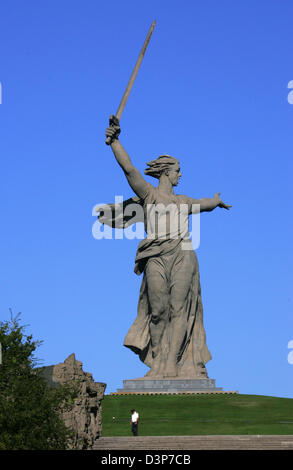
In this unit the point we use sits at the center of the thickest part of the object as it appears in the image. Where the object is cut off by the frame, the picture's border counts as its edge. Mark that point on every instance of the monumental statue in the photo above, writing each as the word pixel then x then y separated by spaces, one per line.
pixel 168 333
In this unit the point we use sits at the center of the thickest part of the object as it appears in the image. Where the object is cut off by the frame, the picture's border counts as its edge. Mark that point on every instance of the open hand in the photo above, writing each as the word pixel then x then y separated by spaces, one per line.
pixel 220 202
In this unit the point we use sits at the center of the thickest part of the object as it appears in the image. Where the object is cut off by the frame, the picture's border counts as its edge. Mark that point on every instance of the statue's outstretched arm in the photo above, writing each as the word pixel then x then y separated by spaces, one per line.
pixel 133 175
pixel 208 204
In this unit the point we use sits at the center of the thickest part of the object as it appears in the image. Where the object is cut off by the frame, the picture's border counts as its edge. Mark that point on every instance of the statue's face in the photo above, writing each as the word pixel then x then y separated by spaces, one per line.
pixel 174 175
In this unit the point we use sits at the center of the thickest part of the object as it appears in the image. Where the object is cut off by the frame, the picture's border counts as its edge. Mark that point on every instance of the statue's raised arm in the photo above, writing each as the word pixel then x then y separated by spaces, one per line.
pixel 133 175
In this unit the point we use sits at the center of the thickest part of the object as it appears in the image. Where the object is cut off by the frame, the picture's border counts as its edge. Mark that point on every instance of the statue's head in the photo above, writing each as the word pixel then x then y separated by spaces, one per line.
pixel 164 165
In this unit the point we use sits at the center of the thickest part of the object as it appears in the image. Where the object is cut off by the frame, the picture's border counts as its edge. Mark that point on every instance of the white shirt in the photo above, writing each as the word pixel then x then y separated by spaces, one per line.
pixel 134 417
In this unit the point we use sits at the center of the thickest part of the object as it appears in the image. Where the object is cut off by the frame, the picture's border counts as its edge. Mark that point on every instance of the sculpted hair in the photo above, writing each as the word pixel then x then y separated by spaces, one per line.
pixel 157 166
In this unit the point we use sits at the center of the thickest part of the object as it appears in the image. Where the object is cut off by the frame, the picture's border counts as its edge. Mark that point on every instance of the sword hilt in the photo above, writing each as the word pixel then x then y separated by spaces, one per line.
pixel 113 121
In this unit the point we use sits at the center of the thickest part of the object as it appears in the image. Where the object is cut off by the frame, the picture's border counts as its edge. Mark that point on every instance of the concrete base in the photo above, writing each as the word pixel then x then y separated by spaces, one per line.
pixel 172 385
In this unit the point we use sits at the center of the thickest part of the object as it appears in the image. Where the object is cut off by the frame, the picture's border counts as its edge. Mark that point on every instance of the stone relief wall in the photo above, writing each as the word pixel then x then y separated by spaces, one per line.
pixel 85 417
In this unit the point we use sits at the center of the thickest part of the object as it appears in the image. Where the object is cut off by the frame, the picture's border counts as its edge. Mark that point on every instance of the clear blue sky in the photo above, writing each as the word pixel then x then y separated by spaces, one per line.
pixel 212 91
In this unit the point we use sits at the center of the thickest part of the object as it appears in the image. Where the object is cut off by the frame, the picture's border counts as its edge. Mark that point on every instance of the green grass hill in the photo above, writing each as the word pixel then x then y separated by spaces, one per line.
pixel 179 415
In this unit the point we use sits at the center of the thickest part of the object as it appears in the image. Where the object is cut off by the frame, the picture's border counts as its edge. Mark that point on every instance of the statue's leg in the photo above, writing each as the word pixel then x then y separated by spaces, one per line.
pixel 183 270
pixel 158 302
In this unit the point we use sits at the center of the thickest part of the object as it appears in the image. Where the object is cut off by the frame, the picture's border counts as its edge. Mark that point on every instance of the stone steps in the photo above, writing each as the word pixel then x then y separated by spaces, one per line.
pixel 192 392
pixel 225 442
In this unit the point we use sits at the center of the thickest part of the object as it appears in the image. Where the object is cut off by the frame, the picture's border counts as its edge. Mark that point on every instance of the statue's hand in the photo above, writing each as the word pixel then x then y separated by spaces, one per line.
pixel 220 203
pixel 113 131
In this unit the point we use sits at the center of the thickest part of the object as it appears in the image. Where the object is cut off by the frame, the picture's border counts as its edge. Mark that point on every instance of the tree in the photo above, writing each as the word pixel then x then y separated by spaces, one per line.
pixel 29 407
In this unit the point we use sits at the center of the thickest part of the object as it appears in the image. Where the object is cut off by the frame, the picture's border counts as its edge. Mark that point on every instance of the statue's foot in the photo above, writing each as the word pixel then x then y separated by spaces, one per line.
pixel 150 373
pixel 154 371
pixel 171 370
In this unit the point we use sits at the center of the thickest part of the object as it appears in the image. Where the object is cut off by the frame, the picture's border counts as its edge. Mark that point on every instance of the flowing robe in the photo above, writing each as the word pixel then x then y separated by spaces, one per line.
pixel 174 260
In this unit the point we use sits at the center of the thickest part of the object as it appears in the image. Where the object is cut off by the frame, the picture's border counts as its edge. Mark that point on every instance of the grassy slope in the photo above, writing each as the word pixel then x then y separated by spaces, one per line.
pixel 167 415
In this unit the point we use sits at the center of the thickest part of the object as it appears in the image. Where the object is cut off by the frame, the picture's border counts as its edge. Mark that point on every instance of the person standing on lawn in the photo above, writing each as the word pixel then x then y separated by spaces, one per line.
pixel 134 422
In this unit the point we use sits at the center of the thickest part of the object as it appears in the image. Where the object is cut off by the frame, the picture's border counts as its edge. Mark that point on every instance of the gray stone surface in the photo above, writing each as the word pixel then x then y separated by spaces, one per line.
pixel 169 385
pixel 214 442
pixel 85 417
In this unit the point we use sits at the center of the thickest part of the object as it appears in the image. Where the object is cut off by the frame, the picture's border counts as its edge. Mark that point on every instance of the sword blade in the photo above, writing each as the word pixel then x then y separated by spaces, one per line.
pixel 134 73
pixel 133 76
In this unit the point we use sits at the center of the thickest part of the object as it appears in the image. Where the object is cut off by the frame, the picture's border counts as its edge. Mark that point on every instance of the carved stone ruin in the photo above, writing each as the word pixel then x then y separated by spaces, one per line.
pixel 85 417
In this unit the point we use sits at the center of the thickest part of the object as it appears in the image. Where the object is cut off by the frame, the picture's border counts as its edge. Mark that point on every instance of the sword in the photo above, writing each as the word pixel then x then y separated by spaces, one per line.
pixel 115 119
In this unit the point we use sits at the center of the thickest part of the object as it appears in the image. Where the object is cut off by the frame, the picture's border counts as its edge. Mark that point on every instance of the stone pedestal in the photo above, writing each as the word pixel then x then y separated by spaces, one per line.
pixel 172 385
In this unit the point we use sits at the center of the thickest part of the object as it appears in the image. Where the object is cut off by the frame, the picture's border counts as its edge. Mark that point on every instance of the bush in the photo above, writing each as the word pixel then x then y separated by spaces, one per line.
pixel 29 407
